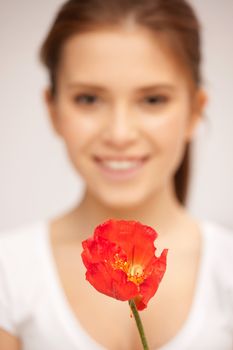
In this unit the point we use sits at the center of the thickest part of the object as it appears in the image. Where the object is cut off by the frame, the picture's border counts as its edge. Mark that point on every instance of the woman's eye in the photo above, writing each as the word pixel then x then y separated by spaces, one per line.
pixel 86 99
pixel 156 99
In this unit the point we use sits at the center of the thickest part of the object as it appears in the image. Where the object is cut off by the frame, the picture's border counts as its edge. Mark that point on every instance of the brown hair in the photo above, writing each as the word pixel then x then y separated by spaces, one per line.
pixel 175 19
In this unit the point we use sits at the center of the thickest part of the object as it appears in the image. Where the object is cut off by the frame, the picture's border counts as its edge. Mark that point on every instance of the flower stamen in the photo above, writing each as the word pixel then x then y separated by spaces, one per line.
pixel 120 264
pixel 135 272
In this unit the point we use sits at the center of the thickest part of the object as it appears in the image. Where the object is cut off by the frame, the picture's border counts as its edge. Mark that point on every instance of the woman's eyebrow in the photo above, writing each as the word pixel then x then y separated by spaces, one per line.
pixel 159 86
pixel 141 89
pixel 81 85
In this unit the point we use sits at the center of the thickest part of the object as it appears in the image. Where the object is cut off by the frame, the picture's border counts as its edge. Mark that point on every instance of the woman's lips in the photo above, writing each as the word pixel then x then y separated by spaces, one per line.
pixel 120 168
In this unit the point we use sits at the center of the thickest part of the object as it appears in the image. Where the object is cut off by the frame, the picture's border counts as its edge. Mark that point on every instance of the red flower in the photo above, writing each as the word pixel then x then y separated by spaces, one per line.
pixel 121 262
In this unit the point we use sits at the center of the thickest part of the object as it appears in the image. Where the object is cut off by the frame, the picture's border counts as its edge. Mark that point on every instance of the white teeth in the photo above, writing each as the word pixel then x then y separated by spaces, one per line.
pixel 120 164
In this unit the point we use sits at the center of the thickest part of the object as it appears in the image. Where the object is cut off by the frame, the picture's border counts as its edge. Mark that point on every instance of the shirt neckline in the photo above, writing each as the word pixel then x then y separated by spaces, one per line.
pixel 70 323
pixel 76 331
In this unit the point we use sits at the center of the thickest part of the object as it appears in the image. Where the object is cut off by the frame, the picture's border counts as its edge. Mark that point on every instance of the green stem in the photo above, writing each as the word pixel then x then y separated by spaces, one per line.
pixel 139 324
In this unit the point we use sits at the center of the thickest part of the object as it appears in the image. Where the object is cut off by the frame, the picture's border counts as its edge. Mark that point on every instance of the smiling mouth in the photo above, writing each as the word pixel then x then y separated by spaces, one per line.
pixel 120 168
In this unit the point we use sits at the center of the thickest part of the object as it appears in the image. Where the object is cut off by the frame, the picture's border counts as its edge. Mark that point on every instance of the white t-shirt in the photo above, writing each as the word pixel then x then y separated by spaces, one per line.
pixel 34 307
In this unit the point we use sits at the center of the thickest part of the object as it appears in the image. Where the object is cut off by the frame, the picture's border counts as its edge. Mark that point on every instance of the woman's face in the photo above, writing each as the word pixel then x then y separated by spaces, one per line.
pixel 125 110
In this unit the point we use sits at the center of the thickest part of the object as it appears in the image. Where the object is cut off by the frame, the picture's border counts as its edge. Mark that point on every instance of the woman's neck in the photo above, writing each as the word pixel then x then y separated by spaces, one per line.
pixel 160 211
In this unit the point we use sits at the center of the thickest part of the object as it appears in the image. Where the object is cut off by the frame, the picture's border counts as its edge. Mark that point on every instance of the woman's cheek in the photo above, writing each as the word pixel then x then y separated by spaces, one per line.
pixel 168 137
pixel 80 130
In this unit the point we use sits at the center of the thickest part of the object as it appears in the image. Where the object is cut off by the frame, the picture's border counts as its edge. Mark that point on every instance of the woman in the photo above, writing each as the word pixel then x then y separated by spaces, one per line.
pixel 125 96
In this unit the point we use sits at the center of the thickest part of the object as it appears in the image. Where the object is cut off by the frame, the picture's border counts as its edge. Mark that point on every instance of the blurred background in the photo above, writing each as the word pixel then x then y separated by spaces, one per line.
pixel 36 179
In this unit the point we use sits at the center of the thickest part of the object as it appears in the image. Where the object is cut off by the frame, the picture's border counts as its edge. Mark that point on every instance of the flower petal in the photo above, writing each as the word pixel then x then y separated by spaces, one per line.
pixel 99 258
pixel 150 285
pixel 100 249
pixel 111 282
pixel 136 239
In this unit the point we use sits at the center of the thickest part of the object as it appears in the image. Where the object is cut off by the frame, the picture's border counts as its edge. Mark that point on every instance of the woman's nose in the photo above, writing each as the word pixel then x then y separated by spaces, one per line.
pixel 120 128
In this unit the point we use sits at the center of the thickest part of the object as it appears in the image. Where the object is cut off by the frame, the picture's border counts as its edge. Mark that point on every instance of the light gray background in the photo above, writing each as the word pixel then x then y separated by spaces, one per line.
pixel 36 179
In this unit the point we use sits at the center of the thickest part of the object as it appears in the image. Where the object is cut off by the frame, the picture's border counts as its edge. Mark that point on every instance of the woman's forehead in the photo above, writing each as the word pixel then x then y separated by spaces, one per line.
pixel 119 54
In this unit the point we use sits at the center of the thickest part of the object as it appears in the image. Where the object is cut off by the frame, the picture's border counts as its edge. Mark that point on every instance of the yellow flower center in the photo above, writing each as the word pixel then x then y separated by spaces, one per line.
pixel 135 272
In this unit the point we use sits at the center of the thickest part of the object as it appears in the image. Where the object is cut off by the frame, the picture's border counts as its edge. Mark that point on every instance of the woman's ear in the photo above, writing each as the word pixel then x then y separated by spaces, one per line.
pixel 200 100
pixel 51 108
